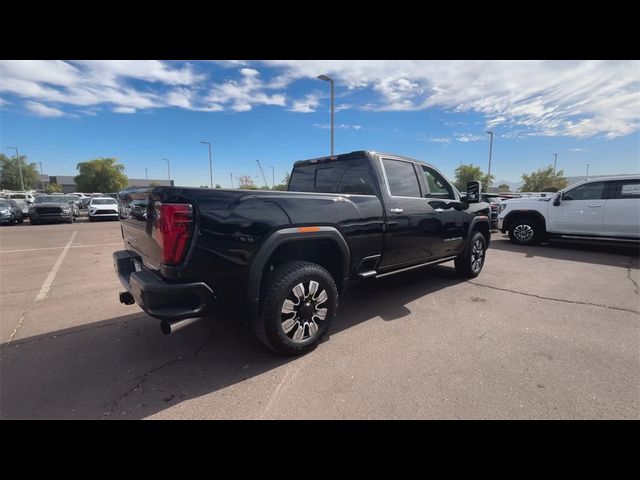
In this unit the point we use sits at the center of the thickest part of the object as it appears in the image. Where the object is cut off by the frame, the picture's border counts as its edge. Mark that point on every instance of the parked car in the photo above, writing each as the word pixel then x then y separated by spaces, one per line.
pixel 23 199
pixel 83 200
pixel 286 256
pixel 494 202
pixel 606 209
pixel 103 208
pixel 74 202
pixel 50 208
pixel 10 211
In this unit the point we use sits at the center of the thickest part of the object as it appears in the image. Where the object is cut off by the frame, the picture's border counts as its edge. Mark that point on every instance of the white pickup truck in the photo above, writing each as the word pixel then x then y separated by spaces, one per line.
pixel 602 209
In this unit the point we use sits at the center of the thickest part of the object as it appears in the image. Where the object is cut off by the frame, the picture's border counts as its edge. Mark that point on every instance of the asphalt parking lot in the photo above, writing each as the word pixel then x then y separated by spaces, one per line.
pixel 545 332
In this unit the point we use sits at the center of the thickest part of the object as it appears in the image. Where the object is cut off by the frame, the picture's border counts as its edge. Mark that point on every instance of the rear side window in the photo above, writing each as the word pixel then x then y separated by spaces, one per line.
pixel 346 176
pixel 624 189
pixel 402 178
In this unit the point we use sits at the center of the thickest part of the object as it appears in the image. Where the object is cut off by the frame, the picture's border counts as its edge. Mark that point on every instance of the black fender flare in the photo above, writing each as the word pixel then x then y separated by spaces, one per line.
pixel 286 235
pixel 531 213
pixel 475 221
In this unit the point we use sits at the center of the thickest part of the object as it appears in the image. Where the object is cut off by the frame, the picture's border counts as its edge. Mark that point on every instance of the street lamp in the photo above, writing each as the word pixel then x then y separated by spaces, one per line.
pixel 330 80
pixel 168 169
pixel 41 176
pixel 555 161
pixel 587 170
pixel 210 167
pixel 489 132
pixel 19 166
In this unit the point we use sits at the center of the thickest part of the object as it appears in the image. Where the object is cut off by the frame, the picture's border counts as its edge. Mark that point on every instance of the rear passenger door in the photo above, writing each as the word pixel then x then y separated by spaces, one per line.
pixel 411 223
pixel 622 209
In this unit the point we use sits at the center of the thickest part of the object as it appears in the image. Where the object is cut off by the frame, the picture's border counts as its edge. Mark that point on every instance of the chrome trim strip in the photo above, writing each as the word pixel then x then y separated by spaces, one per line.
pixel 439 260
pixel 606 239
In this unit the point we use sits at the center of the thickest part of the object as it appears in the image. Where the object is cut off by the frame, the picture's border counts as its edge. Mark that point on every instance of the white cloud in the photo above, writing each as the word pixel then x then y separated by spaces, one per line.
pixel 3 102
pixel 578 149
pixel 570 98
pixel 468 137
pixel 444 140
pixel 124 110
pixel 308 104
pixel 41 110
pixel 339 126
pixel 241 96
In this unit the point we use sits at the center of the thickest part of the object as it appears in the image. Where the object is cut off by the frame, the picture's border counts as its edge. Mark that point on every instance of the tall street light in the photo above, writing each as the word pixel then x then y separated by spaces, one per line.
pixel 146 174
pixel 273 178
pixel 330 80
pixel 210 165
pixel 555 161
pixel 587 170
pixel 490 132
pixel 19 166
pixel 41 176
pixel 168 169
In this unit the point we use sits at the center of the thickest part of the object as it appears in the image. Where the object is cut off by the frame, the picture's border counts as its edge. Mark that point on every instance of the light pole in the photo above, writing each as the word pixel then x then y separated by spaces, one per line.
pixel 41 176
pixel 210 165
pixel 231 175
pixel 273 178
pixel 146 174
pixel 168 169
pixel 330 80
pixel 555 161
pixel 587 170
pixel 490 132
pixel 19 166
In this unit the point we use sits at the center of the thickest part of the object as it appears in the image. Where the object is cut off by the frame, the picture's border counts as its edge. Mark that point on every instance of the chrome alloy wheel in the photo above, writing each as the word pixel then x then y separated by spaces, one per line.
pixel 523 233
pixel 477 255
pixel 302 310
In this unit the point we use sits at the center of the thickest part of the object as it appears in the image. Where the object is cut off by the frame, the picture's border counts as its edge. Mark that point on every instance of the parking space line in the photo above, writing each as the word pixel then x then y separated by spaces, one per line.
pixel 58 248
pixel 44 290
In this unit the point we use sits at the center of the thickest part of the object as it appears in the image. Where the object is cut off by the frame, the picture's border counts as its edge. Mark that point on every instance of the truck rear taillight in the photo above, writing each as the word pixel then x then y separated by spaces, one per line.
pixel 173 225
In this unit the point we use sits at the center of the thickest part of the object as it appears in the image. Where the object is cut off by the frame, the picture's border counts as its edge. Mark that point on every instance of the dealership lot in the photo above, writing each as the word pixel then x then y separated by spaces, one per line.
pixel 544 332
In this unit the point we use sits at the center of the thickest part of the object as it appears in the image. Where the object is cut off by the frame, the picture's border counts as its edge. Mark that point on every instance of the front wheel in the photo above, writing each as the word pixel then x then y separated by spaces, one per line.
pixel 470 263
pixel 299 303
pixel 526 231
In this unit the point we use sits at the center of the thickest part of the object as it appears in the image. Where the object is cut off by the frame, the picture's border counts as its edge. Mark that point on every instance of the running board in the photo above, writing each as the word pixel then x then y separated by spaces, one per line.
pixel 601 239
pixel 432 262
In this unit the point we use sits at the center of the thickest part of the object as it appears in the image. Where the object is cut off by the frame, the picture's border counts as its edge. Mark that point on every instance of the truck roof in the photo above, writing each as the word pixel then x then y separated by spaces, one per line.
pixel 356 153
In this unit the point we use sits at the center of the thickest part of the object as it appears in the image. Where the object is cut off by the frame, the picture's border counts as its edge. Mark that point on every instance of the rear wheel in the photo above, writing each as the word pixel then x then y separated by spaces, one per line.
pixel 526 231
pixel 469 264
pixel 299 303
pixel 33 221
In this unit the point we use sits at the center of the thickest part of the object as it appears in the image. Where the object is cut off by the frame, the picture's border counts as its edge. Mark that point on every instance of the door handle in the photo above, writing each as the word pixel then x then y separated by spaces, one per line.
pixel 397 210
pixel 595 206
pixel 439 210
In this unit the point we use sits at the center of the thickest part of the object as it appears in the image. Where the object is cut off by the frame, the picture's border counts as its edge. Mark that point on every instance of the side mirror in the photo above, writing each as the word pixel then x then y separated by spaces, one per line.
pixel 557 199
pixel 473 192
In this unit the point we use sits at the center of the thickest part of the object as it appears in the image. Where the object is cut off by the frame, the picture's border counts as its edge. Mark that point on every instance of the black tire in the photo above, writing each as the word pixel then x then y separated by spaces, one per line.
pixel 269 325
pixel 469 264
pixel 33 221
pixel 526 230
pixel 21 220
pixel 90 218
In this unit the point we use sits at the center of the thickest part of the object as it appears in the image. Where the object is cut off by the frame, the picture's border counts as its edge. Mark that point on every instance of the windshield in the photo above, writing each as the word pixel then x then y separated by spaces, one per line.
pixel 18 196
pixel 51 199
pixel 103 201
pixel 4 204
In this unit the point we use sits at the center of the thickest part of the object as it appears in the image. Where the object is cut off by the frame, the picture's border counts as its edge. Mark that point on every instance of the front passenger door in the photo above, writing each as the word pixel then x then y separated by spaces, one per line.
pixel 581 210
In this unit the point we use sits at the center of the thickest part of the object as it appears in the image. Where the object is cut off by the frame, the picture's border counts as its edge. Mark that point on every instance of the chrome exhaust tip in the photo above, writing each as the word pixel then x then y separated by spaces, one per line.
pixel 170 326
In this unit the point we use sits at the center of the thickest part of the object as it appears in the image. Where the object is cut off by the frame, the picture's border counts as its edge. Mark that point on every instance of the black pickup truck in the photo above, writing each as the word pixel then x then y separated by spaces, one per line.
pixel 286 256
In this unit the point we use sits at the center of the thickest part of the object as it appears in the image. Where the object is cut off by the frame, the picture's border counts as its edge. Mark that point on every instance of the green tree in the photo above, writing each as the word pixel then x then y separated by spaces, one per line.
pixel 218 185
pixel 53 188
pixel 101 175
pixel 544 180
pixel 284 185
pixel 154 184
pixel 503 187
pixel 471 173
pixel 10 175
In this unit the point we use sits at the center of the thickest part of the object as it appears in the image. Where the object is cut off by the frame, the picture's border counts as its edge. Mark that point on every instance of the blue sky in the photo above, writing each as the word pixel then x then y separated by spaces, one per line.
pixel 64 112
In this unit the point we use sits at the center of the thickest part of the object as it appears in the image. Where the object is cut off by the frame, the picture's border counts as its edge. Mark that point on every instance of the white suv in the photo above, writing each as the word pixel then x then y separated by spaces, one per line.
pixel 103 207
pixel 602 209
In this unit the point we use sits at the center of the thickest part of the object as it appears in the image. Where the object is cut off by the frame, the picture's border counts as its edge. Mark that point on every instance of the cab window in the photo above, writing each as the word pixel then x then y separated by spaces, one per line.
pixel 437 185
pixel 588 191
pixel 402 178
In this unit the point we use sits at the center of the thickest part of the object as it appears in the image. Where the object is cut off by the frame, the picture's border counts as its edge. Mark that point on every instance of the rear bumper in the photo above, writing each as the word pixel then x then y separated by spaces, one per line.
pixel 156 296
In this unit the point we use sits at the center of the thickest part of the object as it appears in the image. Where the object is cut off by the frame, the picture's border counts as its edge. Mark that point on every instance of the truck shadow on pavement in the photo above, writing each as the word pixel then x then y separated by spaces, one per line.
pixel 609 255
pixel 124 368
